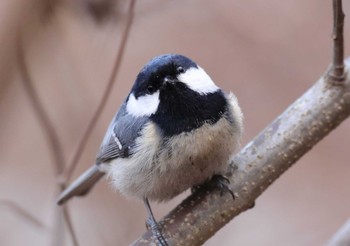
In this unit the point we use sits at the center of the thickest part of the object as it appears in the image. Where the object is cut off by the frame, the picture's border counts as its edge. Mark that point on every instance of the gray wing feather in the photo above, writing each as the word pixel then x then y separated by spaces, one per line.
pixel 119 138
pixel 82 185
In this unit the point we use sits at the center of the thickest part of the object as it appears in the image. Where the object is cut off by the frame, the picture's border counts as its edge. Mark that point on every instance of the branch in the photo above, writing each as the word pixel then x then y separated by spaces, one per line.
pixel 74 162
pixel 259 164
pixel 341 237
pixel 336 73
pixel 292 134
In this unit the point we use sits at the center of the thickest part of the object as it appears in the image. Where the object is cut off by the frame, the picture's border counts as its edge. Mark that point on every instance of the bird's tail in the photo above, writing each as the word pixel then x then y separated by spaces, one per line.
pixel 82 185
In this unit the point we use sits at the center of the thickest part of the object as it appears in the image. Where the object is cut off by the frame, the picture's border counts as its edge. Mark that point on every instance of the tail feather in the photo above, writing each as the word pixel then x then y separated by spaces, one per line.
pixel 82 185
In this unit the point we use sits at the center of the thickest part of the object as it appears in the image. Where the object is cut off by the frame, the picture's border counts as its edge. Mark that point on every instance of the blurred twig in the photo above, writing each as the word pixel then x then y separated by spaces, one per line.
pixel 22 212
pixel 47 126
pixel 55 145
pixel 292 134
pixel 82 143
pixel 336 73
pixel 341 237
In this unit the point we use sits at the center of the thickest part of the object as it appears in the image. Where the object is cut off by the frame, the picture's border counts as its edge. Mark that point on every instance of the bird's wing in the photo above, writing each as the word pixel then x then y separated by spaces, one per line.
pixel 120 137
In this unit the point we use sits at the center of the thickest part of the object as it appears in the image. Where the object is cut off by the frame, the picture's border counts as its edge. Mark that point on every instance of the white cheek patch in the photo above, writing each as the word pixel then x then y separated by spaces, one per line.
pixel 144 105
pixel 198 80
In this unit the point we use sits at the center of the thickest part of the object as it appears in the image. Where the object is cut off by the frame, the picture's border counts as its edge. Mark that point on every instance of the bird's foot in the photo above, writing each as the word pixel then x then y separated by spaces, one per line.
pixel 155 228
pixel 222 183
pixel 218 181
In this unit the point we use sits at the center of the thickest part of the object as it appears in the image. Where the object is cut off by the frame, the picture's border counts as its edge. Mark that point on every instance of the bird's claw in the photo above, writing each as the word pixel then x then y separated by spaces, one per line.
pixel 222 183
pixel 218 181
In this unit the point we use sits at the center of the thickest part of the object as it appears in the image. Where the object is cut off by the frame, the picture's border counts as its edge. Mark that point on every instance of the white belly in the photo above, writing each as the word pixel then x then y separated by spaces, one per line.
pixel 160 172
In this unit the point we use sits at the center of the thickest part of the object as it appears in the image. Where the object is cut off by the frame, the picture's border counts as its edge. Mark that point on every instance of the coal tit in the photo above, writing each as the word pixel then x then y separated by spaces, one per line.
pixel 175 130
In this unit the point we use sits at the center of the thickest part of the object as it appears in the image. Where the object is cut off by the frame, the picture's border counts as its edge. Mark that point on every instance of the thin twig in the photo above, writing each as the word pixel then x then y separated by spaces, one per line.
pixel 47 126
pixel 82 143
pixel 69 224
pixel 336 73
pixel 55 145
pixel 22 213
pixel 58 238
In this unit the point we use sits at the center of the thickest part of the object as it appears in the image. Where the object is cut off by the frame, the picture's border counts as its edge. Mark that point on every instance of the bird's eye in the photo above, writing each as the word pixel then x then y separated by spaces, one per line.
pixel 180 69
pixel 150 89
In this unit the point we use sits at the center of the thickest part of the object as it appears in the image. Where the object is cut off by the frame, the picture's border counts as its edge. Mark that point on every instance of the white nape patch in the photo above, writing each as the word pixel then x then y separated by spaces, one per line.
pixel 198 80
pixel 144 105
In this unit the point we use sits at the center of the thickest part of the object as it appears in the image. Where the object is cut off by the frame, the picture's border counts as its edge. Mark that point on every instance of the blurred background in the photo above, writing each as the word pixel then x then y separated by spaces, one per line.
pixel 267 52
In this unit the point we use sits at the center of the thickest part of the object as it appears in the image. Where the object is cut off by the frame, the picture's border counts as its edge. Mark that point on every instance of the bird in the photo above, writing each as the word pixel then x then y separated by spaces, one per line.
pixel 175 130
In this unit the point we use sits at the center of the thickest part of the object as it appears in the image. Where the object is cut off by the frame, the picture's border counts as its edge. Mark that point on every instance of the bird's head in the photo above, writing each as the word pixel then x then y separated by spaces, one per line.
pixel 176 94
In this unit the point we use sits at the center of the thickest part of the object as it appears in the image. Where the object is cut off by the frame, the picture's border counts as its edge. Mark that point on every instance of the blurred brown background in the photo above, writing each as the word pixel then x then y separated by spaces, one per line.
pixel 267 52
